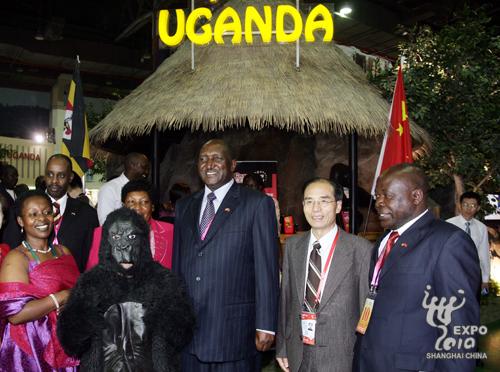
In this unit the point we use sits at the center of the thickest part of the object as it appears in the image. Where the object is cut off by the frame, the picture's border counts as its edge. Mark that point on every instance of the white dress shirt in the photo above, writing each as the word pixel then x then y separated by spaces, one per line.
pixel 62 203
pixel 479 234
pixel 220 194
pixel 11 193
pixel 110 197
pixel 326 243
pixel 400 231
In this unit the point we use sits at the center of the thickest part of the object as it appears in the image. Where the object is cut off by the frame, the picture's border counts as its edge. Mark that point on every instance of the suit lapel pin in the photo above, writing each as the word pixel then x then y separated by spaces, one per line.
pixel 73 213
pixel 227 210
pixel 404 245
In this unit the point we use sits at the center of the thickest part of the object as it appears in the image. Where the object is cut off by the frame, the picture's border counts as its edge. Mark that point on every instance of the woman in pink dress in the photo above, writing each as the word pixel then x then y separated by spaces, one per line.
pixel 138 195
pixel 35 282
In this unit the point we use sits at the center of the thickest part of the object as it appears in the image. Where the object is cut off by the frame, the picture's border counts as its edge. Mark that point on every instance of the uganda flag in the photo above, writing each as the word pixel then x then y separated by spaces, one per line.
pixel 75 138
pixel 396 147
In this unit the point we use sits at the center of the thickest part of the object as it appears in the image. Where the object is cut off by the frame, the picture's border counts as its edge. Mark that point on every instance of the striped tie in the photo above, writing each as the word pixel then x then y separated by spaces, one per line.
pixel 208 215
pixel 467 227
pixel 313 279
pixel 57 212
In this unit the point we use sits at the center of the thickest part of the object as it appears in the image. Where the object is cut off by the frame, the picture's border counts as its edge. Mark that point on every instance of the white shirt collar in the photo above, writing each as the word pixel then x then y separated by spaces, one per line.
pixel 221 192
pixel 400 231
pixel 464 221
pixel 11 193
pixel 123 178
pixel 326 240
pixel 407 225
pixel 62 203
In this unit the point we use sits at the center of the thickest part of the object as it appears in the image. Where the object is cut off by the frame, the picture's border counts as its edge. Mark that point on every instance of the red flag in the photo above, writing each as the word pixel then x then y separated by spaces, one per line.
pixel 396 147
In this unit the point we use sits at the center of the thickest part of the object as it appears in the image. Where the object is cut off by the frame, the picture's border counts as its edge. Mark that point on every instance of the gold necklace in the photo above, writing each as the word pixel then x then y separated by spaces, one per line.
pixel 28 246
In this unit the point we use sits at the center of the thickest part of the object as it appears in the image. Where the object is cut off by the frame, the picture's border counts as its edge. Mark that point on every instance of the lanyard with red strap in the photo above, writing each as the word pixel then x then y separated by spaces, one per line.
pixel 57 226
pixel 381 261
pixel 366 314
pixel 324 273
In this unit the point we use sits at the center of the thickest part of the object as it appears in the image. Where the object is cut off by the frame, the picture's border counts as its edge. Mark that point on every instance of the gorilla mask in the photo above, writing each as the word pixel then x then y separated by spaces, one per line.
pixel 125 240
pixel 125 243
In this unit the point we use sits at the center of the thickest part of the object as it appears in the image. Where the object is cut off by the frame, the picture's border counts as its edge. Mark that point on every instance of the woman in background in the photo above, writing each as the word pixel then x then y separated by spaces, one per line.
pixel 254 181
pixel 138 195
pixel 35 282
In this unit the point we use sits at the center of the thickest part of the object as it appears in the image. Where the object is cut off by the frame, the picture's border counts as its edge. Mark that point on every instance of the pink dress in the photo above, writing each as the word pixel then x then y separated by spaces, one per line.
pixel 33 346
pixel 161 239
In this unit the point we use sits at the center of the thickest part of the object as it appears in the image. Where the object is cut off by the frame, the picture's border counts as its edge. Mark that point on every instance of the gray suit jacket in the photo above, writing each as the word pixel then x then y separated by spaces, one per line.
pixel 341 304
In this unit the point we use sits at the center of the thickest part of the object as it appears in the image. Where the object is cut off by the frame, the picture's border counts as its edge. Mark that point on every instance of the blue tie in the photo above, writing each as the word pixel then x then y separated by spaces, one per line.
pixel 208 215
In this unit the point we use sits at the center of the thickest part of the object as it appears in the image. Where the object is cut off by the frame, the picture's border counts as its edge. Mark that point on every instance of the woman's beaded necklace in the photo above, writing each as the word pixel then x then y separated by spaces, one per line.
pixel 28 246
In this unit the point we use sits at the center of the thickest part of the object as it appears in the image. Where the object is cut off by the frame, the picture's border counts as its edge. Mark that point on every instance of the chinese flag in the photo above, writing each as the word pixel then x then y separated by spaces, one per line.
pixel 75 136
pixel 396 147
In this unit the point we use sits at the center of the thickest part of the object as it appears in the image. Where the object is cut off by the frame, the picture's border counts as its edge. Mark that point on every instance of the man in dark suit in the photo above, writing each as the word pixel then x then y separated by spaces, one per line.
pixel 225 249
pixel 8 180
pixel 344 263
pixel 74 221
pixel 424 276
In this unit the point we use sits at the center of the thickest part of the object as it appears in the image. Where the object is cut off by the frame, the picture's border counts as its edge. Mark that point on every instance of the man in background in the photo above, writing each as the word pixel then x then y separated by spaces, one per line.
pixel 136 167
pixel 8 181
pixel 470 203
pixel 226 250
pixel 74 221
pixel 325 276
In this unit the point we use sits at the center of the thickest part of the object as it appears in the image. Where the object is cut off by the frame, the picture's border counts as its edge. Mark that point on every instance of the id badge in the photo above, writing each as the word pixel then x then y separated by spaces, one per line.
pixel 308 321
pixel 366 314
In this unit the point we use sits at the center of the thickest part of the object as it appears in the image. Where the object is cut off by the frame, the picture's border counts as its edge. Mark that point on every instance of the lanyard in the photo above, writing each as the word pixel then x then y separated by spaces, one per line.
pixel 378 267
pixel 57 226
pixel 324 273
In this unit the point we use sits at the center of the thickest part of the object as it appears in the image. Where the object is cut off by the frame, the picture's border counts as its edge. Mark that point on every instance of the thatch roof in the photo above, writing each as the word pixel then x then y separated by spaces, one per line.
pixel 255 85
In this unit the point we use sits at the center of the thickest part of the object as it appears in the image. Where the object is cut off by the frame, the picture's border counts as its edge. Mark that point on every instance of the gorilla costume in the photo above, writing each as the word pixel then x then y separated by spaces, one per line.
pixel 128 313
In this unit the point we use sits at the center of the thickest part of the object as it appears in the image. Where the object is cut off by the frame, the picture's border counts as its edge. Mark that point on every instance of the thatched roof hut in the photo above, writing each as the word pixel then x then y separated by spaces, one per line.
pixel 251 85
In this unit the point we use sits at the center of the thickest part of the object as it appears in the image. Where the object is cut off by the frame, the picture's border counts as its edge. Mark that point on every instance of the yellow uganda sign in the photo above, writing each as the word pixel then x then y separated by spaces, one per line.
pixel 229 23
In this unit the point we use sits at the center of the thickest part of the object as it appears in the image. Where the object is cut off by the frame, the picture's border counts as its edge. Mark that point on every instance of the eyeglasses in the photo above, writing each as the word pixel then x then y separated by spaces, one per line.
pixel 323 203
pixel 469 206
pixel 34 215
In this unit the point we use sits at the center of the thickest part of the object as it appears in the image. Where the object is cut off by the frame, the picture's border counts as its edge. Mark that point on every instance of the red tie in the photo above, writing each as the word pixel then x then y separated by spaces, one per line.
pixel 57 212
pixel 390 243
pixel 57 221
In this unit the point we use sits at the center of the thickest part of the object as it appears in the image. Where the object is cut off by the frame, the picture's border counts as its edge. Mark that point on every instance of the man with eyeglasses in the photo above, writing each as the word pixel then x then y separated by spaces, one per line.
pixel 470 203
pixel 324 285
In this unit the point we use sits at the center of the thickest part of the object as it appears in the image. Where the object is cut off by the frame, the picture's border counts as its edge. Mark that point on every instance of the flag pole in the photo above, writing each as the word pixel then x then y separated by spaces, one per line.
pixel 382 152
pixel 384 143
pixel 368 214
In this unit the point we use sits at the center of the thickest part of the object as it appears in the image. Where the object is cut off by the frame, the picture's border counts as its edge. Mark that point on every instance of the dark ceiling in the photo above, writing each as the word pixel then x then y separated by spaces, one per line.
pixel 113 37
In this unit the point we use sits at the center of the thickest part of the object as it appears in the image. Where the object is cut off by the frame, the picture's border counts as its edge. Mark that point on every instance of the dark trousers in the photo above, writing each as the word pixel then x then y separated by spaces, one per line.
pixel 190 363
